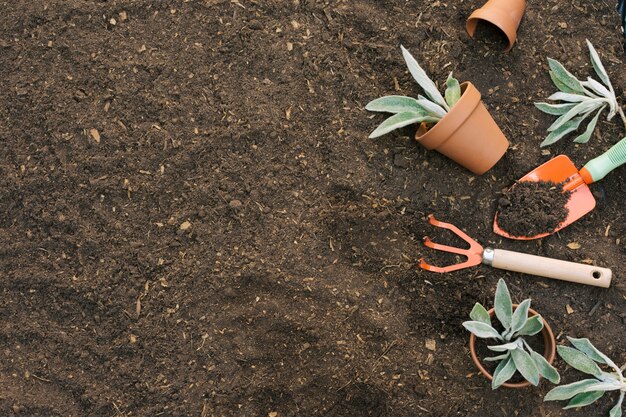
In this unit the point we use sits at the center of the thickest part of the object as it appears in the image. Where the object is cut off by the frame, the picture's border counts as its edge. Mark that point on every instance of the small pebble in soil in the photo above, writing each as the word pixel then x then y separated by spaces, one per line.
pixel 235 204
pixel 530 208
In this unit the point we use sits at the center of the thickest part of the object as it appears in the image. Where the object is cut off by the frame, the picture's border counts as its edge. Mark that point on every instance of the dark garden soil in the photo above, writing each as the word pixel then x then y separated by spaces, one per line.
pixel 194 223
pixel 530 208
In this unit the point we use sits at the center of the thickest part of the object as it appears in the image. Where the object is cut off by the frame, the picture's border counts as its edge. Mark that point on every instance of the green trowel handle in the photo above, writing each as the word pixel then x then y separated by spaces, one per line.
pixel 597 168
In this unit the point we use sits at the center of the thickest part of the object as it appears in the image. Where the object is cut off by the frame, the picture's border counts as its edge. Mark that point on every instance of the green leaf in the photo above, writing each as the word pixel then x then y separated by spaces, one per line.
pixel 496 358
pixel 422 79
pixel 526 366
pixel 394 104
pixel 581 108
pixel 586 135
pixel 482 330
pixel 597 88
pixel 597 65
pixel 503 304
pixel 533 326
pixel 568 127
pixel 583 399
pixel 565 392
pixel 432 109
pixel 453 90
pixel 579 360
pixel 555 109
pixel 479 313
pixel 572 98
pixel 585 346
pixel 504 372
pixel 564 76
pixel 520 316
pixel 507 346
pixel 546 370
pixel 400 120
pixel 564 88
pixel 617 410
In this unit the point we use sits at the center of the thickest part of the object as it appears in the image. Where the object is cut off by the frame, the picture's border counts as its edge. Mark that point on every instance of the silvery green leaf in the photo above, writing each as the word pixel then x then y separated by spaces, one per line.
pixel 581 108
pixel 545 369
pixel 482 330
pixel 400 120
pixel 479 313
pixel 533 326
pixel 421 97
pixel 585 346
pixel 504 372
pixel 578 360
pixel 526 366
pixel 597 88
pixel 608 95
pixel 496 358
pixel 586 135
pixel 583 399
pixel 520 316
pixel 503 304
pixel 453 90
pixel 433 109
pixel 505 347
pixel 562 87
pixel 617 410
pixel 565 392
pixel 597 65
pixel 564 76
pixel 572 98
pixel 555 109
pixel 422 79
pixel 568 127
pixel 394 104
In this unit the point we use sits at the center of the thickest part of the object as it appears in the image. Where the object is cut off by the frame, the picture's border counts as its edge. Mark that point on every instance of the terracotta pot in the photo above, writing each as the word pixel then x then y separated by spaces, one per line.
pixel 467 134
pixel 505 14
pixel 549 351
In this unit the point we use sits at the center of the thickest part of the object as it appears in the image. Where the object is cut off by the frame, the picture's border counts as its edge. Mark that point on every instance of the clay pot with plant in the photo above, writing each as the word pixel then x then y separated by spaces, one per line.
pixel 458 126
pixel 519 323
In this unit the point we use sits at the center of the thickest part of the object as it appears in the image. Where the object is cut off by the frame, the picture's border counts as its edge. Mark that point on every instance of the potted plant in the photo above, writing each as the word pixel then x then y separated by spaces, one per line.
pixel 518 323
pixel 579 100
pixel 586 358
pixel 458 126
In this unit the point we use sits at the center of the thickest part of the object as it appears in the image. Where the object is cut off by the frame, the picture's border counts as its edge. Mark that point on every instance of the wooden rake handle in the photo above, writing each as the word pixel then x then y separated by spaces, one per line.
pixel 548 267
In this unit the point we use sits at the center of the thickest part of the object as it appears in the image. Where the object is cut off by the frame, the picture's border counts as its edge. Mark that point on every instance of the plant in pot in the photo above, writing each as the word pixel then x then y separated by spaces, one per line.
pixel 586 358
pixel 579 100
pixel 458 126
pixel 519 323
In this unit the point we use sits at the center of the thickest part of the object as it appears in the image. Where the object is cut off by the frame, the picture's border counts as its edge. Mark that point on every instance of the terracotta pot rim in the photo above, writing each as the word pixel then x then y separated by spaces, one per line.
pixel 460 112
pixel 549 351
pixel 506 17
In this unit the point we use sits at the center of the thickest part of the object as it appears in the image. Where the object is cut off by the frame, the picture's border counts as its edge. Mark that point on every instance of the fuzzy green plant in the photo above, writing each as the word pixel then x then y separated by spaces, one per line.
pixel 515 353
pixel 586 358
pixel 579 100
pixel 407 110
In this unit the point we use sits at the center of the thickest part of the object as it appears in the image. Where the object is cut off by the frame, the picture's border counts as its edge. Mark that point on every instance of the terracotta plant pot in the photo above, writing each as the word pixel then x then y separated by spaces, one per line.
pixel 549 352
pixel 505 14
pixel 467 134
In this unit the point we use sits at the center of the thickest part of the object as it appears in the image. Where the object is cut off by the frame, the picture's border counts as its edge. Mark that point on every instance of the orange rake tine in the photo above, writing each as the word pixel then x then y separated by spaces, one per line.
pixel 474 253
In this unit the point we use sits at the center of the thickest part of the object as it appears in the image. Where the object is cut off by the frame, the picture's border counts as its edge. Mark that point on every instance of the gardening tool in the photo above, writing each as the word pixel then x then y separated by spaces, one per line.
pixel 515 261
pixel 562 170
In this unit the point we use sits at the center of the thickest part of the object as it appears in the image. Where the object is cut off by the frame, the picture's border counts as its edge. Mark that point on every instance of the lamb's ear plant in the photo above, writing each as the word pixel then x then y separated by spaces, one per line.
pixel 579 101
pixel 408 110
pixel 515 353
pixel 586 358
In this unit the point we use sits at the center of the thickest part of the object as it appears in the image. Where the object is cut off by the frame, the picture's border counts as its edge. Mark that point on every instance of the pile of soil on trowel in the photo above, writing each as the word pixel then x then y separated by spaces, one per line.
pixel 532 207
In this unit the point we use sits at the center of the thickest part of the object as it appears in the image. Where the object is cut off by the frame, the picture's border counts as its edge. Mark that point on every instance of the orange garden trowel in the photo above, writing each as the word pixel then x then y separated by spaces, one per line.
pixel 562 170
pixel 515 261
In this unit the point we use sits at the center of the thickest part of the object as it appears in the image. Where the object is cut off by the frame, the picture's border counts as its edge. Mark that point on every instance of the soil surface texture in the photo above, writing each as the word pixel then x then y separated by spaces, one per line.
pixel 531 208
pixel 193 221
